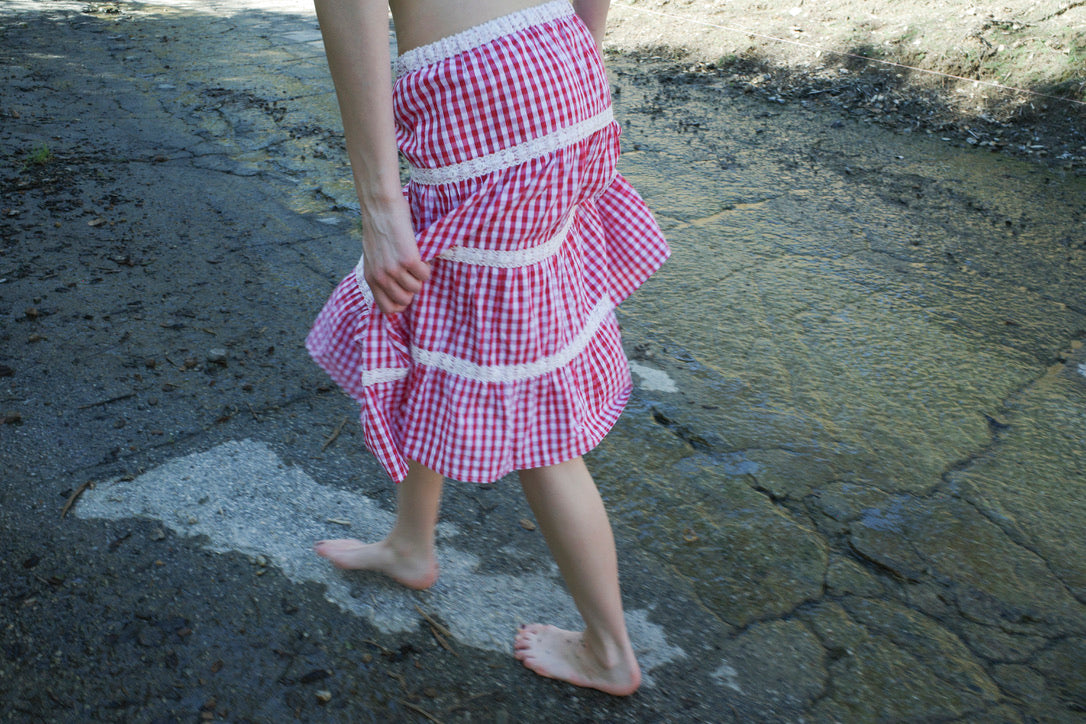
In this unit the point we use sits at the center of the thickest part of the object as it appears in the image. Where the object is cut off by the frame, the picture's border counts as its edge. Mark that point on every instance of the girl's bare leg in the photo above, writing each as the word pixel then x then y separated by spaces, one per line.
pixel 407 554
pixel 571 515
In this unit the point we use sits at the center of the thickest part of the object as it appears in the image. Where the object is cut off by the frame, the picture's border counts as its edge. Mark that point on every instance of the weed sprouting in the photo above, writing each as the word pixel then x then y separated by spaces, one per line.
pixel 39 156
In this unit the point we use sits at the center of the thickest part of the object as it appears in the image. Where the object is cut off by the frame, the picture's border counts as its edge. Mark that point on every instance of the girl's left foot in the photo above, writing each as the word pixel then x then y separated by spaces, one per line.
pixel 559 654
pixel 416 572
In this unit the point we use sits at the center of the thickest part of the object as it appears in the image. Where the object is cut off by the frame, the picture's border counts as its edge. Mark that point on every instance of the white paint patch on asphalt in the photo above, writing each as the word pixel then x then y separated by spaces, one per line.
pixel 242 498
pixel 653 379
pixel 728 676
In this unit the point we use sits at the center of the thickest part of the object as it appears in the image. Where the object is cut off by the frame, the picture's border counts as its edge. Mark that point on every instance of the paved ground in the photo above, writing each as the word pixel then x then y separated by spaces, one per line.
pixel 849 486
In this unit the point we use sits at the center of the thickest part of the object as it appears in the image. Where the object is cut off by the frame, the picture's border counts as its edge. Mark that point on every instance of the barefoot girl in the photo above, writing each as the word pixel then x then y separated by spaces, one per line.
pixel 478 331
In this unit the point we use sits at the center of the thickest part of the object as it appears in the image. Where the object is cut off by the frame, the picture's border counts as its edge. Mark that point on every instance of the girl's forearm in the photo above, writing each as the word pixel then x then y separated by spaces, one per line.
pixel 356 42
pixel 593 13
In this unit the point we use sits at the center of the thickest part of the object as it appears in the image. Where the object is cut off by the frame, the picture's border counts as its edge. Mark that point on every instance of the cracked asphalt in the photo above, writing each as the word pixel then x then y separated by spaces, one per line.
pixel 849 486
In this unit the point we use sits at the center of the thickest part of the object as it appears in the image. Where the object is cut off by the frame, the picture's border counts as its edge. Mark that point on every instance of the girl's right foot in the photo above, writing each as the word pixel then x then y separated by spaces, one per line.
pixel 564 655
pixel 416 572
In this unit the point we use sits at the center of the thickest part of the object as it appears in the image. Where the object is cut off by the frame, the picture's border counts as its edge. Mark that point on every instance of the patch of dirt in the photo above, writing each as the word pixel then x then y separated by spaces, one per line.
pixel 1026 61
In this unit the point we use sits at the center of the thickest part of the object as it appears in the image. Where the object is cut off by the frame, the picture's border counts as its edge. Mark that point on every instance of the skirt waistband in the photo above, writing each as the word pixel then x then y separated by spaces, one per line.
pixel 445 48
pixel 517 98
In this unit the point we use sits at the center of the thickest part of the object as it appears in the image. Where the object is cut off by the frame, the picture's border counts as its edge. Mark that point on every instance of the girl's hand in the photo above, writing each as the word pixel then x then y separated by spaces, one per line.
pixel 390 257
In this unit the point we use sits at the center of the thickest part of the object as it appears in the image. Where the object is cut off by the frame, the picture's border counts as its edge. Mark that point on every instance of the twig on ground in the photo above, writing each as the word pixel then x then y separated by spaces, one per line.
pixel 75 496
pixel 439 632
pixel 335 434
pixel 433 622
pixel 399 678
pixel 420 711
pixel 374 643
pixel 464 702
pixel 118 398
pixel 441 640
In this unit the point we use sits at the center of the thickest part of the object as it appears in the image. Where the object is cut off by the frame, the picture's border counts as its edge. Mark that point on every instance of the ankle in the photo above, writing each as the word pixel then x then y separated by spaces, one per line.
pixel 608 651
pixel 406 547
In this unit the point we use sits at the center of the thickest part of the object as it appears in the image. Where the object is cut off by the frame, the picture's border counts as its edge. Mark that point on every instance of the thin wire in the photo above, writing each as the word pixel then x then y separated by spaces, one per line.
pixel 811 46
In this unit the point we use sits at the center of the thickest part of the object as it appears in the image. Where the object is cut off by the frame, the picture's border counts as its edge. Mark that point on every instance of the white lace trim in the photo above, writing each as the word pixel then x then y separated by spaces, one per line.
pixel 488 257
pixel 360 280
pixel 424 55
pixel 383 374
pixel 513 155
pixel 518 373
pixel 511 259
pixel 499 373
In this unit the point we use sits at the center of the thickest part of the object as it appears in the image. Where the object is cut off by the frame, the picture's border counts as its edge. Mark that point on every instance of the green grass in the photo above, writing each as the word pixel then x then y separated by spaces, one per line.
pixel 39 156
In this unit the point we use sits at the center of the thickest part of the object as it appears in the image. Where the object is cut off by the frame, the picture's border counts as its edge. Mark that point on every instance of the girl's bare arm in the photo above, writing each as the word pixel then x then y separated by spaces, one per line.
pixel 356 42
pixel 593 13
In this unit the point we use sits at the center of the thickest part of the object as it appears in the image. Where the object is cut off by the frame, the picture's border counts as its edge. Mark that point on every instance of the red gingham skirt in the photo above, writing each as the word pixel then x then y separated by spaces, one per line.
pixel 509 358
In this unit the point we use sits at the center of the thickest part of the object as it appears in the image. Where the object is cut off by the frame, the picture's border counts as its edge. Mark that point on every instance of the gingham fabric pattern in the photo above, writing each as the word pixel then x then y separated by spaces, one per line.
pixel 510 357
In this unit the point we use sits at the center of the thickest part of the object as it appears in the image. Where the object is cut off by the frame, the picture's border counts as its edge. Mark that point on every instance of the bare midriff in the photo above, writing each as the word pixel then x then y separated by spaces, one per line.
pixel 420 22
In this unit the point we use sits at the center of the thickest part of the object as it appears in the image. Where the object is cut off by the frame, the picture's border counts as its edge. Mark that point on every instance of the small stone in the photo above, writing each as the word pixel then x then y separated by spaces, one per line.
pixel 324 696
pixel 527 524
pixel 216 356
